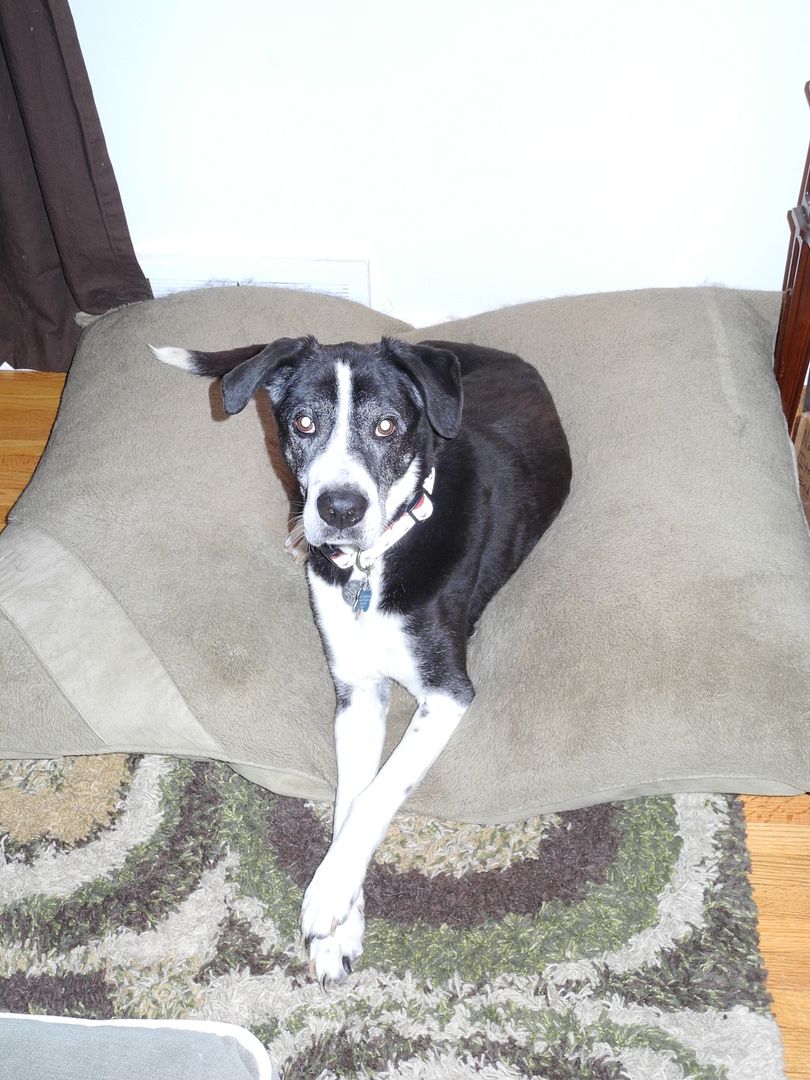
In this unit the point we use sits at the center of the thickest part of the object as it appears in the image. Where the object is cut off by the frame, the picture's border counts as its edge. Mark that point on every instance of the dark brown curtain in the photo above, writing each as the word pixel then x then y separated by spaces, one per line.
pixel 64 242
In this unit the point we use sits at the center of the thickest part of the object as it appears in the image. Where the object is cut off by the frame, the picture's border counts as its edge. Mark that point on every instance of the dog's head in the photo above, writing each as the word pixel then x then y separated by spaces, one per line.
pixel 358 424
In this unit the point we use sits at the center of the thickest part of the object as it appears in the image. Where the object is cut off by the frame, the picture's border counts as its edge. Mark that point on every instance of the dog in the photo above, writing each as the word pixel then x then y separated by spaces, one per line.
pixel 427 474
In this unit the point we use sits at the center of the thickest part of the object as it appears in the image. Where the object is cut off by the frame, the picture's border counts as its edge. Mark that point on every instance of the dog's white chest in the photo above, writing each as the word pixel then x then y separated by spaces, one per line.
pixel 369 646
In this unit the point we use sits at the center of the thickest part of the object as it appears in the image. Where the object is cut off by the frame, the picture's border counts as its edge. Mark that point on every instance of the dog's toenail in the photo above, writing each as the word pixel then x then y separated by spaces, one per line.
pixel 347 965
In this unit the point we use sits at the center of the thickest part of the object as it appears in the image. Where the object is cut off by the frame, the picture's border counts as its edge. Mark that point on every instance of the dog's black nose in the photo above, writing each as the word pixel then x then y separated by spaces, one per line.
pixel 342 507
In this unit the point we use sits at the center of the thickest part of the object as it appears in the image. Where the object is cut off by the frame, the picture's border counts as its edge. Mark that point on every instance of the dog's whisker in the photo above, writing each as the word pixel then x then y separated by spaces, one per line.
pixel 296 543
pixel 296 534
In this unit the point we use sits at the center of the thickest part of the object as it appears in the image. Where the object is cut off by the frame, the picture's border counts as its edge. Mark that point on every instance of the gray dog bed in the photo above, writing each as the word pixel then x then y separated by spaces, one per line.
pixel 656 640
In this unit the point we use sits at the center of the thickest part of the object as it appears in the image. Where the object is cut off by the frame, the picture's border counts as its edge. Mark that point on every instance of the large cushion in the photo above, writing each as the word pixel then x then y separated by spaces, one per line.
pixel 656 639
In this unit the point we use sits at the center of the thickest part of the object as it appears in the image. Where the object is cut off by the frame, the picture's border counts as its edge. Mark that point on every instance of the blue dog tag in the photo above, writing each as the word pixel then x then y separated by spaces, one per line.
pixel 363 599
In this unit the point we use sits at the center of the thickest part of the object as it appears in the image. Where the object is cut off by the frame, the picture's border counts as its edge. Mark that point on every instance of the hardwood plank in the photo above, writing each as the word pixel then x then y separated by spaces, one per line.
pixel 28 404
pixel 761 809
pixel 781 900
pixel 787 969
pixel 773 845
pixel 30 392
pixel 791 1009
pixel 778 832
pixel 795 1004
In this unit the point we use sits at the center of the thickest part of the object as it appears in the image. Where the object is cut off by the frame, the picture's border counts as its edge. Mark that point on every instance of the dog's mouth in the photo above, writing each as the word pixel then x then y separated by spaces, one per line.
pixel 359 537
pixel 343 541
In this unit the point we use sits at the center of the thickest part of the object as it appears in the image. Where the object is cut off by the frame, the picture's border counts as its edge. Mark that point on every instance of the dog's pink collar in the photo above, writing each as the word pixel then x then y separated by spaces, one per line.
pixel 418 509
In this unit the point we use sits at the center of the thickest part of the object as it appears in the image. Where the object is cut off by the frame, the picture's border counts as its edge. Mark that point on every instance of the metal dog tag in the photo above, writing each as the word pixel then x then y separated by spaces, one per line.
pixel 357 594
pixel 351 591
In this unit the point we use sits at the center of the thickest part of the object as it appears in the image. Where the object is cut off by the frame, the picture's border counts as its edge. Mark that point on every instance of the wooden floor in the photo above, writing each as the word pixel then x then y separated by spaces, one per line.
pixel 778 829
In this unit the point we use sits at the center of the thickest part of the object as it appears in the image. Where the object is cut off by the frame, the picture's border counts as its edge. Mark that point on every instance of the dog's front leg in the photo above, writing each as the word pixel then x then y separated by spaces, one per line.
pixel 359 735
pixel 333 893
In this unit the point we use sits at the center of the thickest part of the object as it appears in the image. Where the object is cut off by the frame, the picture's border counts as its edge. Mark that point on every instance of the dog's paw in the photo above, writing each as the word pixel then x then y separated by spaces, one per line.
pixel 330 897
pixel 332 958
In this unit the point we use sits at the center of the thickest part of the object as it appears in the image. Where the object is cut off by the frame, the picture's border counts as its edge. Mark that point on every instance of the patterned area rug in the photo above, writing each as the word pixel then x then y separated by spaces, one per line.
pixel 607 943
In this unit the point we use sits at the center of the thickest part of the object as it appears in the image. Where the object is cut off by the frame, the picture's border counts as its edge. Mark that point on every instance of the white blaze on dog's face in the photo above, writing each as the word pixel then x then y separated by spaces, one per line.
pixel 353 431
pixel 342 499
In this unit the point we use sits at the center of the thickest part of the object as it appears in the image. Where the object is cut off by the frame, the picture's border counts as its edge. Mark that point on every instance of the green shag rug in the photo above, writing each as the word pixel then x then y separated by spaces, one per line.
pixel 617 941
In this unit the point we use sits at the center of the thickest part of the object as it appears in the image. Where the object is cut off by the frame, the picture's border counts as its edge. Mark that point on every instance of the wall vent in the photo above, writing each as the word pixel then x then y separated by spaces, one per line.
pixel 349 278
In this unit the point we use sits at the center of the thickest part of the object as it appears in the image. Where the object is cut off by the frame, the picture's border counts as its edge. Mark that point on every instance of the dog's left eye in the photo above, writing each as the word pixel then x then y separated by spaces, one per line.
pixel 305 424
pixel 385 428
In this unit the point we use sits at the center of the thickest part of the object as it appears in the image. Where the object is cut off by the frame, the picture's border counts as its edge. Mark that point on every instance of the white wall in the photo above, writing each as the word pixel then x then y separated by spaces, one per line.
pixel 476 152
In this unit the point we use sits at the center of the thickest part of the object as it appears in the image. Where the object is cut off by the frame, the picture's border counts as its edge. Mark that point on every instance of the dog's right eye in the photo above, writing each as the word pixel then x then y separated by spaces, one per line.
pixel 305 424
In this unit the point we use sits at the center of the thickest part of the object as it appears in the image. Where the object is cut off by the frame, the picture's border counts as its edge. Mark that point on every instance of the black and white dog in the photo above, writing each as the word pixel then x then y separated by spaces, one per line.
pixel 427 473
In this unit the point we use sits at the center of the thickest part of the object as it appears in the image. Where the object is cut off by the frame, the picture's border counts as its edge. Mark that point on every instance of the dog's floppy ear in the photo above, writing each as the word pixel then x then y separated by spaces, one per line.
pixel 242 371
pixel 240 384
pixel 437 374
